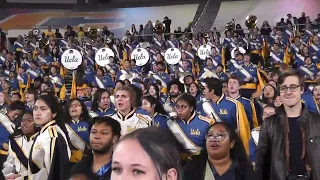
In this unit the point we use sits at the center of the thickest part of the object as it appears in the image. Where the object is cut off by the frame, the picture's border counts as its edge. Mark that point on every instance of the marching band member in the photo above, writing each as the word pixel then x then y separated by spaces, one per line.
pixel 315 49
pixel 30 97
pixel 3 103
pixel 101 105
pixel 34 71
pixel 300 56
pixel 7 126
pixel 134 67
pixel 56 80
pixel 102 81
pixel 23 79
pixel 155 92
pixel 222 75
pixel 155 111
pixel 18 46
pixel 78 128
pixel 126 114
pixel 249 75
pixel 276 55
pixel 175 89
pixel 44 59
pixel 225 109
pixel 236 63
pixel 16 165
pixel 295 46
pixel 309 71
pixel 194 90
pixel 50 152
pixel 172 42
pixel 189 128
pixel 268 110
pixel 161 75
pixel 234 92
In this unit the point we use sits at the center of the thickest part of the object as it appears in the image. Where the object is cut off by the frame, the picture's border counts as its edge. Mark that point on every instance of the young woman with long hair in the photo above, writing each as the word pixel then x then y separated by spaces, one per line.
pixel 50 152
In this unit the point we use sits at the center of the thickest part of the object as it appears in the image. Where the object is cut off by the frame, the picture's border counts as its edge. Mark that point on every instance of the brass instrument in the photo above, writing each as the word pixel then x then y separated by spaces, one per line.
pixel 159 27
pixel 93 32
pixel 251 21
pixel 230 26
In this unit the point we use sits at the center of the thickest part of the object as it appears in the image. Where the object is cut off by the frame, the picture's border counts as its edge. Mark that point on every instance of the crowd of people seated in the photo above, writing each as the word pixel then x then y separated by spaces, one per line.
pixel 198 119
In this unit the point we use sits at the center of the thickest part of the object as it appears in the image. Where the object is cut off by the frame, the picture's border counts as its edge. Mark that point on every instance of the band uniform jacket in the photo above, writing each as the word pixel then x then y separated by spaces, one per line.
pixel 132 121
pixel 50 154
pixel 271 159
pixel 18 154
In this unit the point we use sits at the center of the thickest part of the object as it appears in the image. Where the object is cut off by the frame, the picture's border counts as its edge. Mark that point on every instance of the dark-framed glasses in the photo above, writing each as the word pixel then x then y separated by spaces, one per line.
pixel 292 87
pixel 216 137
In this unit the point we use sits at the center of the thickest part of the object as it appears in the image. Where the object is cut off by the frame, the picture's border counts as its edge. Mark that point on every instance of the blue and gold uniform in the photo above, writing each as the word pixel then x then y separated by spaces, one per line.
pixel 253 144
pixel 276 57
pixel 190 133
pixel 311 103
pixel 250 111
pixel 102 82
pixel 160 120
pixel 6 129
pixel 309 72
pixel 235 64
pixel 223 76
pixel 232 112
pixel 79 137
pixel 34 73
pixel 105 112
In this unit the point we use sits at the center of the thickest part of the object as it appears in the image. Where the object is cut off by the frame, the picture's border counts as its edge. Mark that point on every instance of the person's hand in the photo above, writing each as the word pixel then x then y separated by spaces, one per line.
pixel 5 146
pixel 246 80
pixel 12 176
pixel 312 77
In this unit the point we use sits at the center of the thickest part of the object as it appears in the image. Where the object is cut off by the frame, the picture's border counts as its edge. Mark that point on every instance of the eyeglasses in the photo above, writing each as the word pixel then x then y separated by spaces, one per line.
pixel 217 137
pixel 292 87
pixel 182 107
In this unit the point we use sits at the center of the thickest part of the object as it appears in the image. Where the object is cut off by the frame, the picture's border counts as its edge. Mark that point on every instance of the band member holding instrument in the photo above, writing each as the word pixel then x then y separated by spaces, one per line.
pixel 34 71
pixel 189 127
pixel 236 63
pixel 20 144
pixel 225 109
pixel 130 120
pixel 309 71
pixel 276 55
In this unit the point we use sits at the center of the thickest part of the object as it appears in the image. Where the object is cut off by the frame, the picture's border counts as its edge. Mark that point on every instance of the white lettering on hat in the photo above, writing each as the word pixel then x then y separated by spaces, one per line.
pixel 71 59
pixel 141 56
pixel 204 51
pixel 172 56
pixel 103 55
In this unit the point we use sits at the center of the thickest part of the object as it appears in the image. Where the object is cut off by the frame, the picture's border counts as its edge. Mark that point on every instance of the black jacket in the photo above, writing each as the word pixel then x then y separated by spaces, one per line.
pixel 195 169
pixel 84 167
pixel 271 158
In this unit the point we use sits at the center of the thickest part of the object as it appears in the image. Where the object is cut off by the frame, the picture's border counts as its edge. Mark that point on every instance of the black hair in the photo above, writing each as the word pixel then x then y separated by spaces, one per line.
pixel 84 115
pixel 158 106
pixel 139 94
pixel 263 98
pixel 156 88
pixel 53 103
pixel 18 94
pixel 108 121
pixel 16 105
pixel 215 85
pixel 192 102
pixel 178 83
pixel 238 152
pixel 97 97
pixel 161 147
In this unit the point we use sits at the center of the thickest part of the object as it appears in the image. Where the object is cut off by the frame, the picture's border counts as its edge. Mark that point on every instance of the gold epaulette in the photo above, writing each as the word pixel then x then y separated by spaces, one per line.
pixel 53 132
pixel 206 119
pixel 142 117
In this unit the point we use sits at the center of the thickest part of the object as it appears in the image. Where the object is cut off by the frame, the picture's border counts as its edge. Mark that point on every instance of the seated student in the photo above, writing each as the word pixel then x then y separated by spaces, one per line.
pixel 20 144
pixel 104 134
